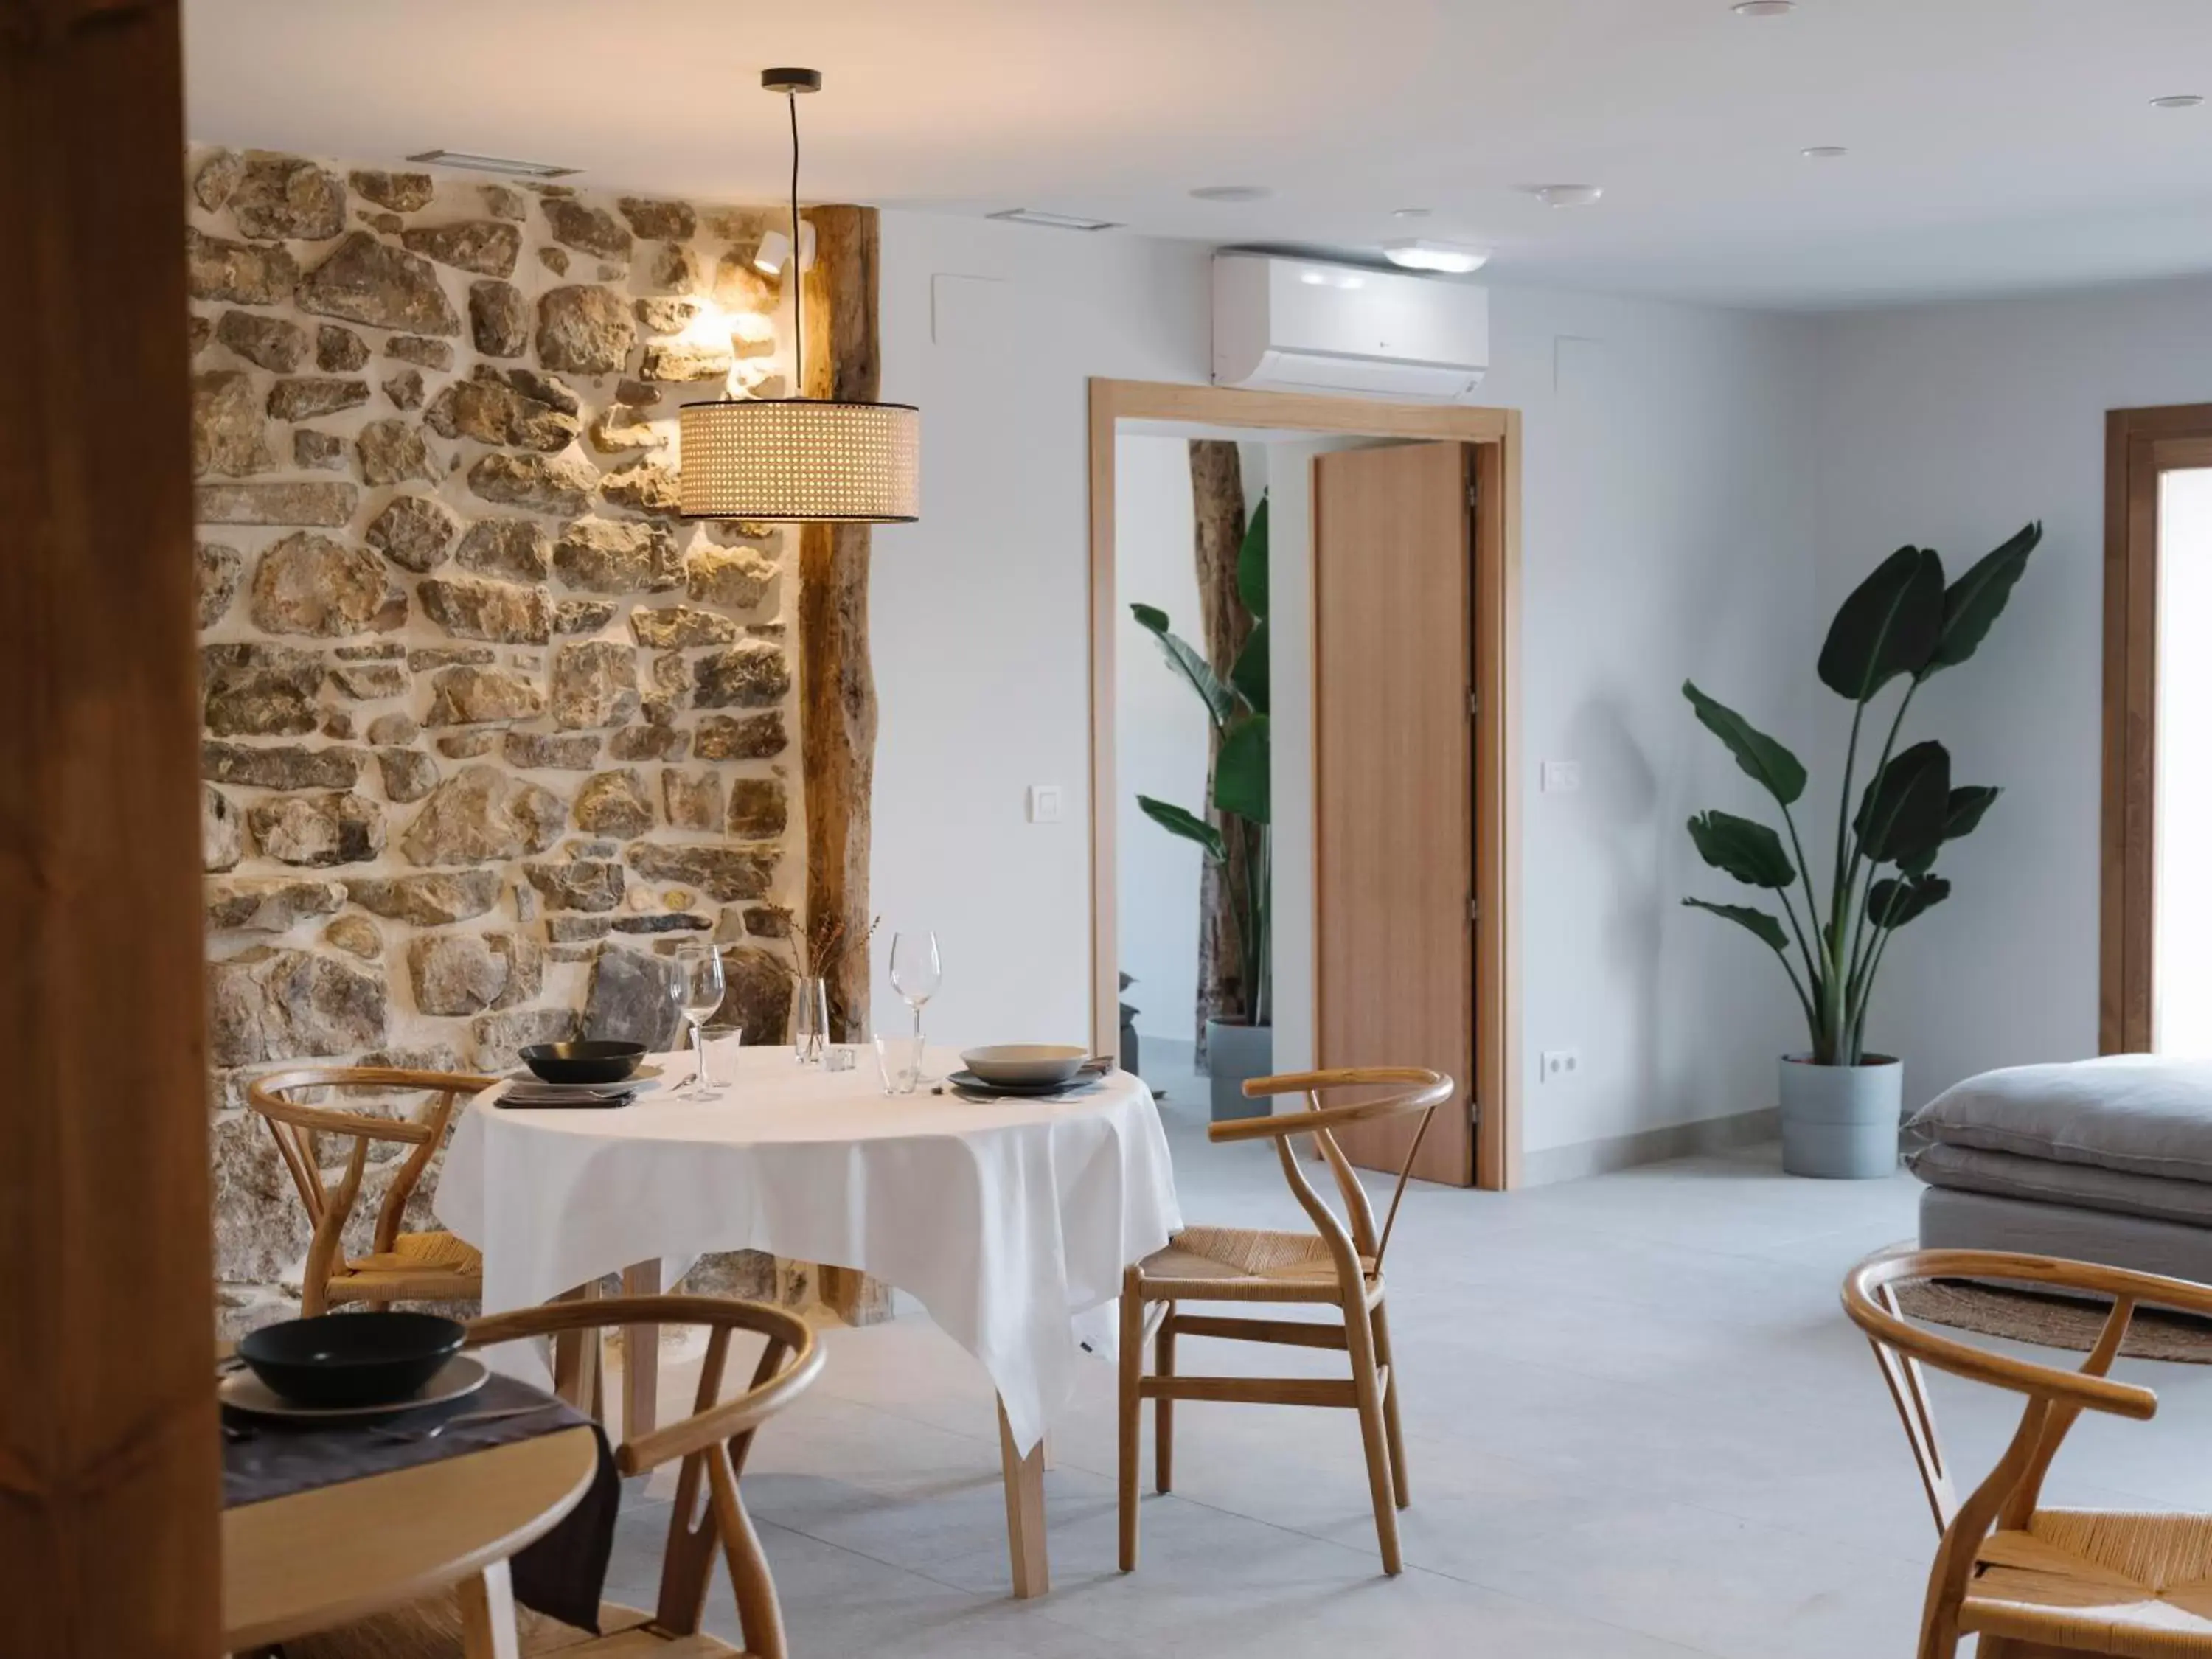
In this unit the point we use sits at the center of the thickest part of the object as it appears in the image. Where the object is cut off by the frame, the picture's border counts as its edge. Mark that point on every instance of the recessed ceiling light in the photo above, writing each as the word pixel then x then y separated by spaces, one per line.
pixel 461 158
pixel 1420 253
pixel 1823 152
pixel 1232 193
pixel 1051 221
pixel 2177 100
pixel 1765 7
pixel 1411 213
pixel 1559 196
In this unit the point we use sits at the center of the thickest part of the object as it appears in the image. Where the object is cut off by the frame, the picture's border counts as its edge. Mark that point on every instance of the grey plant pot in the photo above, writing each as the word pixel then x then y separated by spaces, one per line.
pixel 1839 1122
pixel 1234 1053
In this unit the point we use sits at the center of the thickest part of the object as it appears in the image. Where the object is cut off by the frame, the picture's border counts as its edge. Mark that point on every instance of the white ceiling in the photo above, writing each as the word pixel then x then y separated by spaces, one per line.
pixel 1995 143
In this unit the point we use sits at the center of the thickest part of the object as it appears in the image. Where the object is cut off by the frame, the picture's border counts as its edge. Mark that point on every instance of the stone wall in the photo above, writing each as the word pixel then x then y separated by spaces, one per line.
pixel 487 726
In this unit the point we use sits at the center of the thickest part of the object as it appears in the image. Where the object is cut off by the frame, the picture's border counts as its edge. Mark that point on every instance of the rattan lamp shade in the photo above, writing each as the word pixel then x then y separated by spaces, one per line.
pixel 802 458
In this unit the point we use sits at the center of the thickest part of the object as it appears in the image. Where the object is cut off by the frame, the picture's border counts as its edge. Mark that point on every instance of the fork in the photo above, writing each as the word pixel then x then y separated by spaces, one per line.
pixel 464 1420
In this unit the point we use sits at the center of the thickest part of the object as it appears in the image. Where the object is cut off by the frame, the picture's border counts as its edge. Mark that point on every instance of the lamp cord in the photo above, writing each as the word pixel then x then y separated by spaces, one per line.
pixel 798 265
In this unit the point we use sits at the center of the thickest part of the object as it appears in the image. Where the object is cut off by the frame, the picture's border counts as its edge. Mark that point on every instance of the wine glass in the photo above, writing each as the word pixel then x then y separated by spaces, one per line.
pixel 697 989
pixel 916 975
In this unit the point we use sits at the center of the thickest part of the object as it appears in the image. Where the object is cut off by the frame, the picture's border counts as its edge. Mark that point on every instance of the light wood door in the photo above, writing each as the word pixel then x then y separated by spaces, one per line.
pixel 1393 819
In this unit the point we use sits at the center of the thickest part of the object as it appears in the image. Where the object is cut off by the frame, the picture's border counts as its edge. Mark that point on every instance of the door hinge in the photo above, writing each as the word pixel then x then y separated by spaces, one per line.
pixel 1474 909
pixel 1474 703
pixel 1472 499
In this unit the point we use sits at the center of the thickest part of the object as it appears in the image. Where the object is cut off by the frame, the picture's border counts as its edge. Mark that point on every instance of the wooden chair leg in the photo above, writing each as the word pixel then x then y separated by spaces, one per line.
pixel 576 1378
pixel 1133 1369
pixel 487 1616
pixel 1392 1433
pixel 1163 1408
pixel 1360 1339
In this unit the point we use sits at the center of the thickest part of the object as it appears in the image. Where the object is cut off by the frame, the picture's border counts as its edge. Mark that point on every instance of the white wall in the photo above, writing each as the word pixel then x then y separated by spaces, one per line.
pixel 1668 490
pixel 1161 735
pixel 1950 426
pixel 979 615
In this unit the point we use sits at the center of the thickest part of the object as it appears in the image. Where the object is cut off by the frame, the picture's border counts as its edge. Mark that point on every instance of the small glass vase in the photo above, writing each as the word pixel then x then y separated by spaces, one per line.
pixel 810 1020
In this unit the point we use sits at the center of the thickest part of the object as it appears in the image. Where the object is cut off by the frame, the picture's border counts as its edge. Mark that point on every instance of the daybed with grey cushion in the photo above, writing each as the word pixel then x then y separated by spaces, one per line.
pixel 2100 1160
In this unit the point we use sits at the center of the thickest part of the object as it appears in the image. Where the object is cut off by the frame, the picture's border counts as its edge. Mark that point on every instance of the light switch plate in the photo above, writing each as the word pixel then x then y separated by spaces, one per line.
pixel 1044 805
pixel 1561 777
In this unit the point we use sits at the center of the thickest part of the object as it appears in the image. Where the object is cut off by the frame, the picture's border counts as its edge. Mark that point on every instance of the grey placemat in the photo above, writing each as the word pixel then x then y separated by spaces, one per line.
pixel 561 1574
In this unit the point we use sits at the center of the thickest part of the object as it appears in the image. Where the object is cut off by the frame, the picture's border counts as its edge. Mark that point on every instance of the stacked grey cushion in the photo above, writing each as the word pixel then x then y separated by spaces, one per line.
pixel 2102 1160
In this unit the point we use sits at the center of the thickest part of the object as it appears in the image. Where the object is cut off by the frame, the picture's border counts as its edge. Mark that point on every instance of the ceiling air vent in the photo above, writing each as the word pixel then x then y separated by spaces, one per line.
pixel 461 158
pixel 1051 221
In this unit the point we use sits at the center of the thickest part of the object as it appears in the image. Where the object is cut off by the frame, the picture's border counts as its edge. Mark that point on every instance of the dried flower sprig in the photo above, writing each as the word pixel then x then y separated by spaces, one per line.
pixel 822 945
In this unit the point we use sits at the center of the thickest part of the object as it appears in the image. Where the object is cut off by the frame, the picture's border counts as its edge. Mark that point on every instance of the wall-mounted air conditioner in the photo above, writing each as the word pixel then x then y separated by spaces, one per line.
pixel 1290 324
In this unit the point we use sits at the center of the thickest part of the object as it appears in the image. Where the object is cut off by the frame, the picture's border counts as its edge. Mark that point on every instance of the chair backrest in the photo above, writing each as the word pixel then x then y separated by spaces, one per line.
pixel 2055 1396
pixel 1414 1089
pixel 296 1128
pixel 713 1443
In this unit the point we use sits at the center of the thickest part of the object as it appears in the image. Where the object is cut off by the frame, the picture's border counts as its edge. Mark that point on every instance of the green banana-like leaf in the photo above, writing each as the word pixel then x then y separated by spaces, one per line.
pixel 1744 915
pixel 1758 755
pixel 1252 562
pixel 1177 821
pixel 1903 815
pixel 1241 770
pixel 1250 674
pixel 1892 902
pixel 1975 600
pixel 1749 851
pixel 1220 699
pixel 1888 626
pixel 1964 811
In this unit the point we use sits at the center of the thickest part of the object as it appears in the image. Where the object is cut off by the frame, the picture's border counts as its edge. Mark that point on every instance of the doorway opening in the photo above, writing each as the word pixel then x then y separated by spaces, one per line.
pixel 1386 553
pixel 2156 983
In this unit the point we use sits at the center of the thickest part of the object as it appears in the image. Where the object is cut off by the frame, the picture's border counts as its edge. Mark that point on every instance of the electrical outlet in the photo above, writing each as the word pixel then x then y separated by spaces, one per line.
pixel 1557 1064
pixel 1044 803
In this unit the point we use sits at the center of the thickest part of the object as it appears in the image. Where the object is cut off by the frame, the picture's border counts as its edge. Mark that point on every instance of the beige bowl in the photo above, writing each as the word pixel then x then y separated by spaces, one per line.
pixel 1021 1064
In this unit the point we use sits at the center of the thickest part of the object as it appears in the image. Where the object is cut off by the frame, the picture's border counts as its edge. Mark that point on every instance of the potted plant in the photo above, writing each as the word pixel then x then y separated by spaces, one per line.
pixel 1239 1041
pixel 1841 1104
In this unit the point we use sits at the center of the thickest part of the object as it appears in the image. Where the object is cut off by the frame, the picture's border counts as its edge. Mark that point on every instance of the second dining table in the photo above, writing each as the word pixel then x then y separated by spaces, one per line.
pixel 1009 1220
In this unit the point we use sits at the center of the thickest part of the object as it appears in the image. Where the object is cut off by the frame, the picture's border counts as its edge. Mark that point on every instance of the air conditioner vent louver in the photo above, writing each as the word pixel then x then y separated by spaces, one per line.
pixel 1308 325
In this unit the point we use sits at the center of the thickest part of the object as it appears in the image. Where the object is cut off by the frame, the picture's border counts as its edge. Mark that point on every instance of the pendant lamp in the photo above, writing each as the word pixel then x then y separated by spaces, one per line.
pixel 800 459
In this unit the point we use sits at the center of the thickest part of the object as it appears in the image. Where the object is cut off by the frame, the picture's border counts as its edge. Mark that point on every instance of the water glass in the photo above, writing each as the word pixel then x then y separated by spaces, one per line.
pixel 898 1064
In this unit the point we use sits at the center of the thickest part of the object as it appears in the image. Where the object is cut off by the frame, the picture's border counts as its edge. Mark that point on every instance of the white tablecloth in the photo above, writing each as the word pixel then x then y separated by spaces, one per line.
pixel 1005 1220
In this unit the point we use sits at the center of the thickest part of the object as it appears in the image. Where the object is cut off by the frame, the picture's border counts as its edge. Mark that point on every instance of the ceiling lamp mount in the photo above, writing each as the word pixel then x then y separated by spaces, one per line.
pixel 800 459
pixel 1427 253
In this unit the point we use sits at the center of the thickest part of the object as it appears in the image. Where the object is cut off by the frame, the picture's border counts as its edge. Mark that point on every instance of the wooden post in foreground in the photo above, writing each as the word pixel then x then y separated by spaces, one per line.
pixel 109 1457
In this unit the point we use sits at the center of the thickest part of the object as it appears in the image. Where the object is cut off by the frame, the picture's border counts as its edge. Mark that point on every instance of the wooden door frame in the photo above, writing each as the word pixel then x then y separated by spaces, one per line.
pixel 2140 444
pixel 1496 586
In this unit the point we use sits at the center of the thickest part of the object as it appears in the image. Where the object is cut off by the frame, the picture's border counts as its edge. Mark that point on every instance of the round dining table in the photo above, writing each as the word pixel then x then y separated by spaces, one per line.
pixel 1010 1220
pixel 322 1557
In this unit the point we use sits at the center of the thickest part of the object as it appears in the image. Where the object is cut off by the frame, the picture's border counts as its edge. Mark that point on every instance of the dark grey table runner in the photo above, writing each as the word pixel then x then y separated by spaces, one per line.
pixel 561 1574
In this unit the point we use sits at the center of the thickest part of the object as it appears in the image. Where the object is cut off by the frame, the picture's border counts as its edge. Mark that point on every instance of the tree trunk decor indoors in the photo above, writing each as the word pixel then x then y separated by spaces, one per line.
pixel 1217 500
pixel 1234 833
pixel 1840 1105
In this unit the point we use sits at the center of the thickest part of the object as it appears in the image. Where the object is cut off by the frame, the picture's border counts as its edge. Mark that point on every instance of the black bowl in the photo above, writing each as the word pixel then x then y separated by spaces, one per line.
pixel 583 1062
pixel 338 1360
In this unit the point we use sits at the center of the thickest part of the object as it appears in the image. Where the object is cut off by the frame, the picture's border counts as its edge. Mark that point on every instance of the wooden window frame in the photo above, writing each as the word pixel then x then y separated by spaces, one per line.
pixel 2139 446
pixel 1496 435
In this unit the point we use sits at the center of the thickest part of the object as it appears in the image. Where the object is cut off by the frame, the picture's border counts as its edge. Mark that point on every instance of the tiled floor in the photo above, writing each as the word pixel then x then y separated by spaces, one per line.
pixel 1637 1424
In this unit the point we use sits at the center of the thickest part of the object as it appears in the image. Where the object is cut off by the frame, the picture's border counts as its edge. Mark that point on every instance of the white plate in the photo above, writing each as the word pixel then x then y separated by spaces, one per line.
pixel 637 1079
pixel 243 1391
